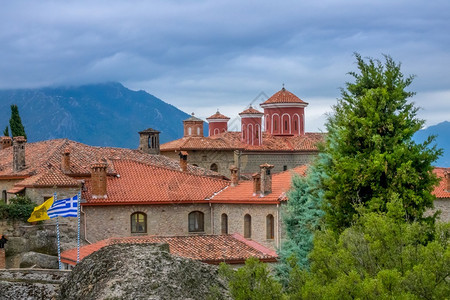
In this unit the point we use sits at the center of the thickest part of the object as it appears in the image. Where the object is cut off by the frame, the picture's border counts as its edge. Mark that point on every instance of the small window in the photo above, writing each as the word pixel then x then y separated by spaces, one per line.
pixel 198 130
pixel 189 131
pixel 196 221
pixel 295 125
pixel 275 125
pixel 284 168
pixel 270 227
pixel 138 223
pixel 285 125
pixel 4 195
pixel 247 226
pixel 214 167
pixel 224 224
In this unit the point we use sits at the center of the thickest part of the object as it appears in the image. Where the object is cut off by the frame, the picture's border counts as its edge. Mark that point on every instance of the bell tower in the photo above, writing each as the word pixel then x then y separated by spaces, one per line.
pixel 149 141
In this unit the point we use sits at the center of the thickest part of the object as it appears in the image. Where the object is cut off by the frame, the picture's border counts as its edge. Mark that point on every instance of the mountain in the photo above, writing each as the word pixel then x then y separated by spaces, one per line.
pixel 105 114
pixel 442 132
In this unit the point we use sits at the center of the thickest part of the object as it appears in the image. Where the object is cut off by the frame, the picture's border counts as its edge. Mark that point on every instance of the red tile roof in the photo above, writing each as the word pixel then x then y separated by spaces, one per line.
pixel 137 182
pixel 206 248
pixel 49 178
pixel 40 157
pixel 441 190
pixel 283 96
pixel 231 140
pixel 218 115
pixel 243 192
pixel 251 111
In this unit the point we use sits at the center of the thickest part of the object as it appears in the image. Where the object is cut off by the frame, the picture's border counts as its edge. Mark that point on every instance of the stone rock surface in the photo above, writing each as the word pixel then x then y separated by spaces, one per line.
pixel 38 260
pixel 30 284
pixel 142 271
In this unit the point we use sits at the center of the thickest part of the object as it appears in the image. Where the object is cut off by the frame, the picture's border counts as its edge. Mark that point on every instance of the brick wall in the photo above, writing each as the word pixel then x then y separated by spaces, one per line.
pixel 115 221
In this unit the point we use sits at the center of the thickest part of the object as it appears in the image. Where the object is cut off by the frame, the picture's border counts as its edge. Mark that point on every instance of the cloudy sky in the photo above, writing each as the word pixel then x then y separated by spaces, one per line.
pixel 204 55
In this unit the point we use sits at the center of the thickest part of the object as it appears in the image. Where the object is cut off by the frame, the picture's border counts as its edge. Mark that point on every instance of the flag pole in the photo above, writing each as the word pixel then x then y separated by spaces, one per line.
pixel 78 221
pixel 57 236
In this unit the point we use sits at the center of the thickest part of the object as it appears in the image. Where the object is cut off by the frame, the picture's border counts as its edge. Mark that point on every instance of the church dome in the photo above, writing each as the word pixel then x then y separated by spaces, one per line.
pixel 283 96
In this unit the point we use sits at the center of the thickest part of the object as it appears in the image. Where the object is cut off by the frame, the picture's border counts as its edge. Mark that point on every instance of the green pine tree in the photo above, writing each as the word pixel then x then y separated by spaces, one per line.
pixel 302 217
pixel 6 131
pixel 15 123
pixel 370 146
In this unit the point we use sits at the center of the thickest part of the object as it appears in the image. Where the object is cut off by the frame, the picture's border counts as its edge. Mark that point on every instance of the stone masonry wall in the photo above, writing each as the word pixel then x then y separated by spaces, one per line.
pixel 258 213
pixel 250 162
pixel 5 185
pixel 115 221
pixel 39 194
pixel 444 206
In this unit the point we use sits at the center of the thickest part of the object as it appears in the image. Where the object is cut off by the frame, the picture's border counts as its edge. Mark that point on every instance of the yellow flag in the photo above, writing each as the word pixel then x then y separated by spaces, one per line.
pixel 40 212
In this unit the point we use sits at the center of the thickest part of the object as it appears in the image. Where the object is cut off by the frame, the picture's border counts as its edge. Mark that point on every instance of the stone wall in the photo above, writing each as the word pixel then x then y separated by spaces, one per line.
pixel 443 205
pixel 115 221
pixel 258 213
pixel 250 162
pixel 5 185
pixel 38 195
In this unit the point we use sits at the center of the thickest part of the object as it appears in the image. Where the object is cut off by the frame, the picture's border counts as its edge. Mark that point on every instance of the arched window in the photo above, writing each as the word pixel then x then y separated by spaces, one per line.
pixel 189 131
pixel 214 167
pixel 224 224
pixel 295 125
pixel 196 221
pixel 138 222
pixel 216 131
pixel 285 125
pixel 247 226
pixel 198 130
pixel 270 227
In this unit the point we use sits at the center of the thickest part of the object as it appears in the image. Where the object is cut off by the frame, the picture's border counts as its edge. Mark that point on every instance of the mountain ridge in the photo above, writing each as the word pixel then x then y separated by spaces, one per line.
pixel 105 114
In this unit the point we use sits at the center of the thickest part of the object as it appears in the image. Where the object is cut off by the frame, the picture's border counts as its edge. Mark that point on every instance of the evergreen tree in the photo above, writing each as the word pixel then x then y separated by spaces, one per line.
pixel 15 123
pixel 373 157
pixel 301 219
pixel 6 131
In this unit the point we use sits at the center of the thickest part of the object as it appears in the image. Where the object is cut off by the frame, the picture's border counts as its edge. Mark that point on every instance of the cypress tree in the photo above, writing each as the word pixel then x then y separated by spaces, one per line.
pixel 6 131
pixel 15 123
pixel 373 156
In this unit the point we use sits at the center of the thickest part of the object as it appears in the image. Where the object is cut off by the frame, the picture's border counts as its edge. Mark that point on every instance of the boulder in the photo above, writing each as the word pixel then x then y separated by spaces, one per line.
pixel 39 260
pixel 142 271
pixel 16 245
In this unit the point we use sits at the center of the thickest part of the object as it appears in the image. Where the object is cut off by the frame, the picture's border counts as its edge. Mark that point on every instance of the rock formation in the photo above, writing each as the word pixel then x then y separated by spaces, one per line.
pixel 142 271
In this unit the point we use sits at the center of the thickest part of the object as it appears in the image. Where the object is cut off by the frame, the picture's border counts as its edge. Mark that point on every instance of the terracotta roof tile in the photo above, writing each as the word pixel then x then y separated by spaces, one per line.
pixel 218 115
pixel 206 248
pixel 283 96
pixel 48 178
pixel 441 190
pixel 250 111
pixel 138 182
pixel 48 154
pixel 231 140
pixel 243 192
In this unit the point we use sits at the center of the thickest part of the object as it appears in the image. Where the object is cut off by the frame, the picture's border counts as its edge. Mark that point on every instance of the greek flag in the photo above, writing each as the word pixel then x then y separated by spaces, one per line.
pixel 64 208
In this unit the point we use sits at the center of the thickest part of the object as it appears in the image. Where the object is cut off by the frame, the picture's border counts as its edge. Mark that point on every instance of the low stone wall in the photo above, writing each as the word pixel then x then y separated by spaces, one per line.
pixel 31 283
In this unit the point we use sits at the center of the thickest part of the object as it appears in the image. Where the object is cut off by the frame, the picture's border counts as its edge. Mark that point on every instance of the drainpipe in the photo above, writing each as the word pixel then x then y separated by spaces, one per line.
pixel 278 227
pixel 212 217
pixel 84 214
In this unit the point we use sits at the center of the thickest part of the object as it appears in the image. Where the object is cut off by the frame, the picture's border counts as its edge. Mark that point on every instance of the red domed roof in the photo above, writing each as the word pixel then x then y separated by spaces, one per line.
pixel 218 115
pixel 250 110
pixel 284 96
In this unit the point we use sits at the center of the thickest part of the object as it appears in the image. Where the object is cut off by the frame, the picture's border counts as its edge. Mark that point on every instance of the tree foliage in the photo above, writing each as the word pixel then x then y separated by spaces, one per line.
pixel 6 131
pixel 380 257
pixel 370 145
pixel 19 208
pixel 252 281
pixel 301 218
pixel 15 123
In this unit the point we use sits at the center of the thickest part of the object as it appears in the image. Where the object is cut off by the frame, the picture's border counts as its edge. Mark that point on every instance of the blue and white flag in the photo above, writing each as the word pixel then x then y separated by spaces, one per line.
pixel 64 208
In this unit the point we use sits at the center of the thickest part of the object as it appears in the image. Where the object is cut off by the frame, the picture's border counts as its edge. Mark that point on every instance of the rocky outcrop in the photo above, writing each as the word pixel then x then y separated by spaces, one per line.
pixel 142 271
pixel 30 284
pixel 38 260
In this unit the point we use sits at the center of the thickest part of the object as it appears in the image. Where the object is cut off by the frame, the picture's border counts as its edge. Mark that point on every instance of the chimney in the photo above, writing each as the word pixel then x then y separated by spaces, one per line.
pixel 266 179
pixel 183 160
pixel 447 176
pixel 65 161
pixel 19 153
pixel 5 142
pixel 256 184
pixel 149 141
pixel 98 179
pixel 234 175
